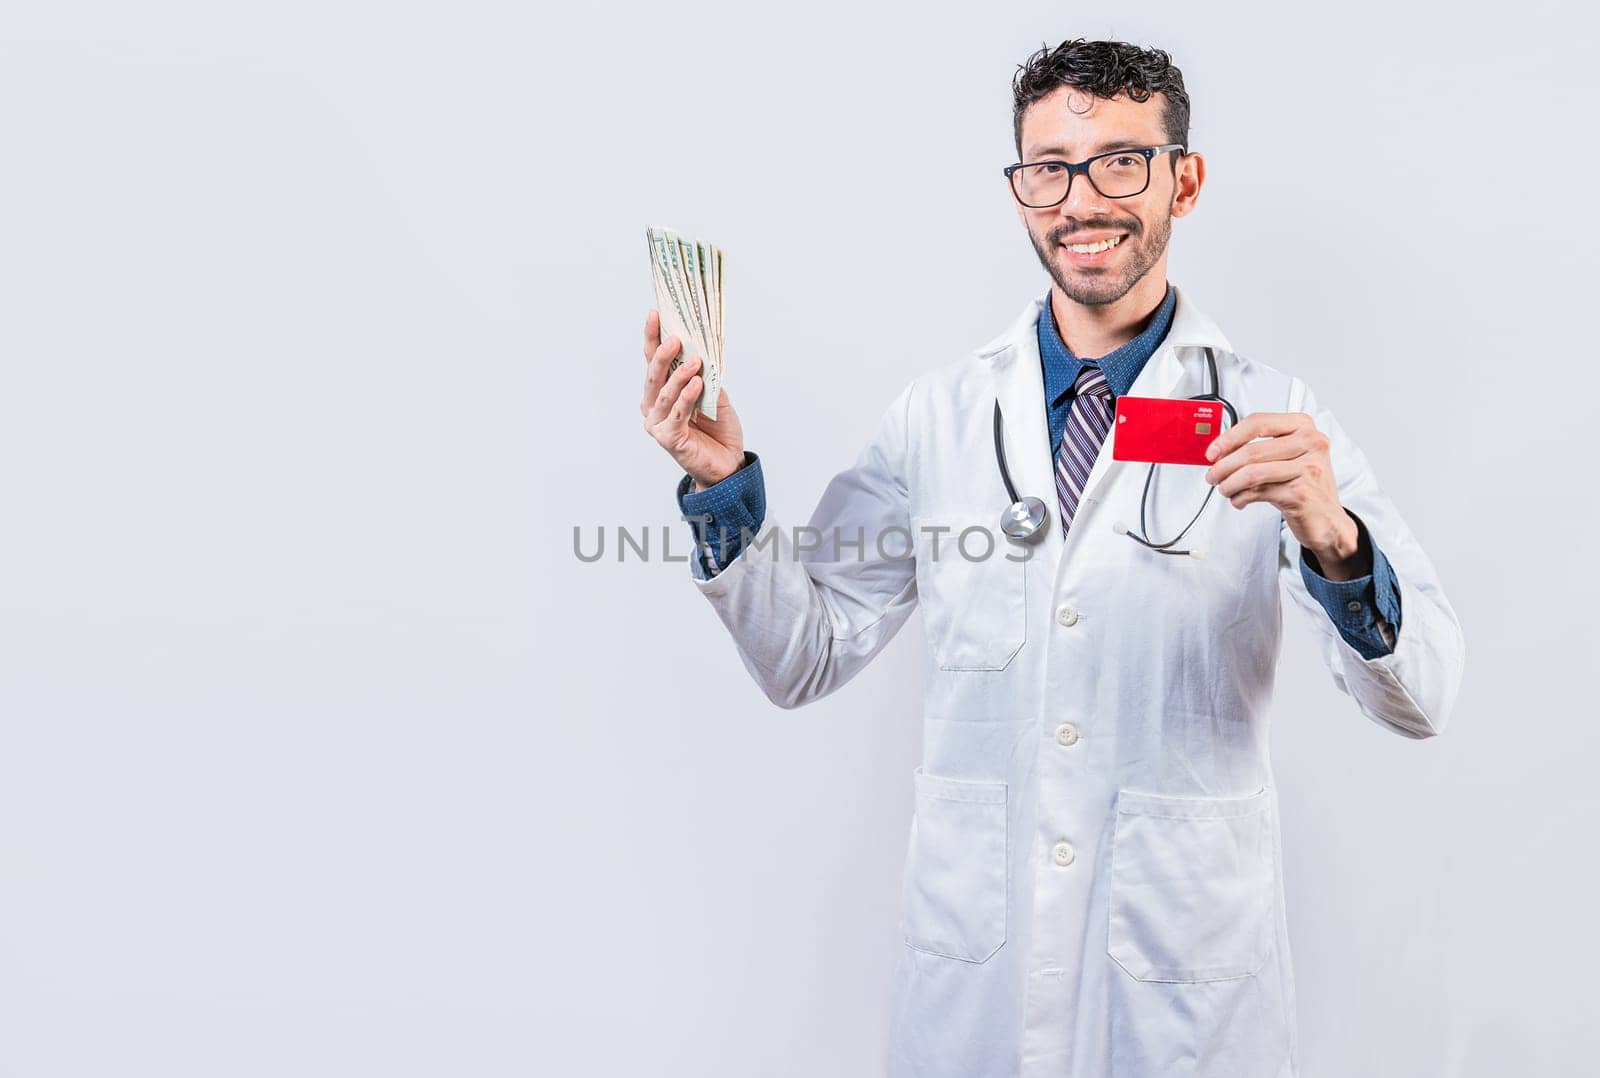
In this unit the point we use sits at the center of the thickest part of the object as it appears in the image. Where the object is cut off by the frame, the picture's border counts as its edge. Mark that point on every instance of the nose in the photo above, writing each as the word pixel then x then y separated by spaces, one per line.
pixel 1082 200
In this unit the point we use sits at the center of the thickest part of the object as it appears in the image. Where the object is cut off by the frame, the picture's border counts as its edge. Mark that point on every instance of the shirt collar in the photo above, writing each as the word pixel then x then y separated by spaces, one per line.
pixel 1121 365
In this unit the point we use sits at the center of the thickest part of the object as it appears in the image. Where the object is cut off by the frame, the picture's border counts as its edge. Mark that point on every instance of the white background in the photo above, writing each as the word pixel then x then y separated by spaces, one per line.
pixel 320 327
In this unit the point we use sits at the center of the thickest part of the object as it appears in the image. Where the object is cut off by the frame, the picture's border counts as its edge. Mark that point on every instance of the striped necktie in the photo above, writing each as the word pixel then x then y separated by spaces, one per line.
pixel 1088 422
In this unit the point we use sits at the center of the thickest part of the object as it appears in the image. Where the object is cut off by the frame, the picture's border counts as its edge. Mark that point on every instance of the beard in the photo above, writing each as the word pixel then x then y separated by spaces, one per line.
pixel 1097 287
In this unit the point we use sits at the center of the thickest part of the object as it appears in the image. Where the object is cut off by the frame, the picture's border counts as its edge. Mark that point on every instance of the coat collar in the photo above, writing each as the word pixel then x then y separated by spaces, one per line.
pixel 1190 327
pixel 1121 365
pixel 1014 358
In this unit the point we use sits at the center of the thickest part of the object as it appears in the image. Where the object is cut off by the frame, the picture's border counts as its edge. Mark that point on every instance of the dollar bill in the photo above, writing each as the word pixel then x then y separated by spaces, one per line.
pixel 687 274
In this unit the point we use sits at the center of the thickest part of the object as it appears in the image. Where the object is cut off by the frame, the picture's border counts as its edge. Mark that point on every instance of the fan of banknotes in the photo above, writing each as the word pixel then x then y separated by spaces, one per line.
pixel 688 276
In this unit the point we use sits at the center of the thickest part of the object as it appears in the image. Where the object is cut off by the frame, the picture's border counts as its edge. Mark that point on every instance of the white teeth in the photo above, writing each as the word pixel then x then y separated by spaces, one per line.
pixel 1094 248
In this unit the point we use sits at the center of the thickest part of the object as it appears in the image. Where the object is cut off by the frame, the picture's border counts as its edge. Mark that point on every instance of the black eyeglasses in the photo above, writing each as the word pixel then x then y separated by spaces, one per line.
pixel 1039 185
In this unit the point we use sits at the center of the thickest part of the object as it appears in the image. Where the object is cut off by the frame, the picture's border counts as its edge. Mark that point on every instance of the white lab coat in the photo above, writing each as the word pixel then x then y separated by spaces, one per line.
pixel 1093 884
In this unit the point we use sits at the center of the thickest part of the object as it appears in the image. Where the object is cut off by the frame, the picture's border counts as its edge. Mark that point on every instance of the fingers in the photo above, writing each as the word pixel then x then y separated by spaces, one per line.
pixel 679 416
pixel 1257 425
pixel 655 371
pixel 1262 474
pixel 1285 495
pixel 1297 443
pixel 664 403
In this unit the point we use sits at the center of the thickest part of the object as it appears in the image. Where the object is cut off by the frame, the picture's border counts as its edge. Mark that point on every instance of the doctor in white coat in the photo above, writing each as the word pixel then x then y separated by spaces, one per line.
pixel 1093 883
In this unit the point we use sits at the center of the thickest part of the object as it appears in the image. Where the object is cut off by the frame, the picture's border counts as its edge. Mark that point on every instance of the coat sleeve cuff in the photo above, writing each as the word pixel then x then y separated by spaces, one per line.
pixel 724 514
pixel 1365 610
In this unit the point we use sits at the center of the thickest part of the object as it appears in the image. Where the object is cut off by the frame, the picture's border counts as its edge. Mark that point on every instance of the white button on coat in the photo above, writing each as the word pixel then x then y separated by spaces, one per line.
pixel 1064 854
pixel 1170 941
pixel 1067 734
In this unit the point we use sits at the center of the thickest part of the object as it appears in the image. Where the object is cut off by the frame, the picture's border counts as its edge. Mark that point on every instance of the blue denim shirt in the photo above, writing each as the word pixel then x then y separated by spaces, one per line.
pixel 723 512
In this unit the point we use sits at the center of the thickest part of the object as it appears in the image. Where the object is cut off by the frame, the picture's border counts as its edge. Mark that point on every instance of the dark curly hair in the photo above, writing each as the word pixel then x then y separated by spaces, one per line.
pixel 1104 69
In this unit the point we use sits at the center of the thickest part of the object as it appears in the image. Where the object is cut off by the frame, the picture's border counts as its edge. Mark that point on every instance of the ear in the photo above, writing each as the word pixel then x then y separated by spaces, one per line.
pixel 1186 187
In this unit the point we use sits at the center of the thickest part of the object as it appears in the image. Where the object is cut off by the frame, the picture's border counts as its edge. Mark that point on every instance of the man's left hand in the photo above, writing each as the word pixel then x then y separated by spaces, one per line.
pixel 1289 467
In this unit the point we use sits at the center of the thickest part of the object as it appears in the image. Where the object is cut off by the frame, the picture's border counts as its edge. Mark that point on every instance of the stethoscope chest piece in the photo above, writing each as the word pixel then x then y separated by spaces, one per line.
pixel 1023 520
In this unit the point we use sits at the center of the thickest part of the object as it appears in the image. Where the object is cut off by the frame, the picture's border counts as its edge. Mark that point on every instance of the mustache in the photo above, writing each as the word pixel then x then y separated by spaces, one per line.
pixel 1059 235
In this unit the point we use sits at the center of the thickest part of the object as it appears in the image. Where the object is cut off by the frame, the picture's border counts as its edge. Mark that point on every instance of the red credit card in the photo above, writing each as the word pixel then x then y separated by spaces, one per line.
pixel 1163 430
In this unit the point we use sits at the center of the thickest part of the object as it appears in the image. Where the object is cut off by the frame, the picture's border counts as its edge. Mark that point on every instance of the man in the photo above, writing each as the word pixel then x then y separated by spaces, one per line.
pixel 1093 883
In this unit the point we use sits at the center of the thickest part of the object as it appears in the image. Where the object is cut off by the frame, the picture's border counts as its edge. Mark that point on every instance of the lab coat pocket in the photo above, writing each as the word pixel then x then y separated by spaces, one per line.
pixel 972 583
pixel 954 899
pixel 1191 886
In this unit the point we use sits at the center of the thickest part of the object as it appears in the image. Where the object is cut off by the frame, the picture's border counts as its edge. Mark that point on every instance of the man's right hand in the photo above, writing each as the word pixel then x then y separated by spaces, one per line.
pixel 710 450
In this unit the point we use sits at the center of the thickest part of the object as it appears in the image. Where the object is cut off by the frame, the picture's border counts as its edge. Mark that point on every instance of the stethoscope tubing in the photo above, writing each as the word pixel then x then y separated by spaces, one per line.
pixel 1024 519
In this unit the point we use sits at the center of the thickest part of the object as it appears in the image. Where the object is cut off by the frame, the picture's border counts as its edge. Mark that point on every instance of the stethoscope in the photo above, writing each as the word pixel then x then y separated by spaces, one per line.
pixel 1024 519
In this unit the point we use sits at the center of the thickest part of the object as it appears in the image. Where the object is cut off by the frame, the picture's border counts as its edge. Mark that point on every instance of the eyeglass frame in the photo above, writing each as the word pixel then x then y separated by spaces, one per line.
pixel 1075 167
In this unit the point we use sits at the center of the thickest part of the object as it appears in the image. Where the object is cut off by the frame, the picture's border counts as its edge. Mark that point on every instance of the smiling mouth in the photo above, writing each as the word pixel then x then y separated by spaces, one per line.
pixel 1094 248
